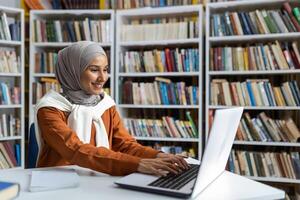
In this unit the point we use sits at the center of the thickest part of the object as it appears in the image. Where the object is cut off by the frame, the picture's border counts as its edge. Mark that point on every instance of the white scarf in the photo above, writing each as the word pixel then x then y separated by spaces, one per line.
pixel 80 118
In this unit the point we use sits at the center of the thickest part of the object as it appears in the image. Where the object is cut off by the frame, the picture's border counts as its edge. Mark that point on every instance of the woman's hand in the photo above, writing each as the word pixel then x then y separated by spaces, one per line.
pixel 162 165
pixel 175 159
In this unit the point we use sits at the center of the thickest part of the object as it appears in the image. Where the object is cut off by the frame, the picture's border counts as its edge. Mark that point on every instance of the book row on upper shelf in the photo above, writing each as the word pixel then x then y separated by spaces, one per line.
pixel 166 60
pixel 9 94
pixel 161 93
pixel 254 92
pixel 72 31
pixel 165 28
pixel 44 62
pixel 283 20
pixel 10 155
pixel 9 61
pixel 271 56
pixel 166 127
pixel 10 31
pixel 105 4
pixel 10 125
pixel 265 164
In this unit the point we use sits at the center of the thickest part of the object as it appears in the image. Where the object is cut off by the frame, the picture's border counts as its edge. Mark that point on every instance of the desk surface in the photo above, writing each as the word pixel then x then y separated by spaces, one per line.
pixel 94 185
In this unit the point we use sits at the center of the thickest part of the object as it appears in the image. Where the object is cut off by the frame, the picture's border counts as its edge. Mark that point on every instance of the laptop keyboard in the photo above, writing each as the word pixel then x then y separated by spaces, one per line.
pixel 176 182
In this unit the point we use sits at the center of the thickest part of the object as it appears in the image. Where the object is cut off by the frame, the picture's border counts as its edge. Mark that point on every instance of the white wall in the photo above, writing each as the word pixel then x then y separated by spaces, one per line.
pixel 10 3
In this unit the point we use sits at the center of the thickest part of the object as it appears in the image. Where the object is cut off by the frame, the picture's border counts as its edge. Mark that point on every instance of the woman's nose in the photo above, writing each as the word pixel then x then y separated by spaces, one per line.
pixel 101 77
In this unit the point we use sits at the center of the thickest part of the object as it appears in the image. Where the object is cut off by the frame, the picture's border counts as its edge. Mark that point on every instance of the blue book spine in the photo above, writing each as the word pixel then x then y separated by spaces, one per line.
pixel 296 89
pixel 250 92
pixel 297 100
pixel 165 93
pixel 195 99
pixel 268 94
pixel 163 60
pixel 172 88
pixel 161 88
pixel 263 54
pixel 18 154
pixel 246 25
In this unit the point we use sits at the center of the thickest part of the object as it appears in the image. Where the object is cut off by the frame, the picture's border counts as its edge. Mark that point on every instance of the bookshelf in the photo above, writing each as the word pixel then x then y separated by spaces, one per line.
pixel 51 42
pixel 158 32
pixel 12 88
pixel 218 41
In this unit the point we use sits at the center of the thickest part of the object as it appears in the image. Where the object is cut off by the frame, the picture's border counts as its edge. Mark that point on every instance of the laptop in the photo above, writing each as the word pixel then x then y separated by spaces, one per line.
pixel 192 182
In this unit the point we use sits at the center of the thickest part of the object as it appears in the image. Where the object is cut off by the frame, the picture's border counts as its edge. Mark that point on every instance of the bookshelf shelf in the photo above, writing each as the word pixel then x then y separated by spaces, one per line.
pixel 167 139
pixel 11 106
pixel 44 75
pixel 10 138
pixel 10 43
pixel 12 79
pixel 159 106
pixel 217 42
pixel 150 74
pixel 258 143
pixel 11 74
pixel 256 72
pixel 61 44
pixel 193 78
pixel 254 38
pixel 160 42
pixel 105 39
pixel 260 107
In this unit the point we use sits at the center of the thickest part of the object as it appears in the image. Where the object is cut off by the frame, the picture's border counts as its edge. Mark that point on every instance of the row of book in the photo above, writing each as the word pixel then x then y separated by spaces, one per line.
pixel 10 31
pixel 159 93
pixel 271 56
pixel 262 21
pixel 263 128
pixel 9 61
pixel 167 60
pixel 265 164
pixel 160 29
pixel 105 4
pixel 175 149
pixel 9 95
pixel 254 92
pixel 72 31
pixel 39 89
pixel 45 62
pixel 167 126
pixel 123 4
pixel 10 155
pixel 9 125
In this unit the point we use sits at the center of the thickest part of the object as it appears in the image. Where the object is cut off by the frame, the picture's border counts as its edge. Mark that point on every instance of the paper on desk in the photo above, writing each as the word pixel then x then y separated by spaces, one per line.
pixel 53 179
pixel 190 160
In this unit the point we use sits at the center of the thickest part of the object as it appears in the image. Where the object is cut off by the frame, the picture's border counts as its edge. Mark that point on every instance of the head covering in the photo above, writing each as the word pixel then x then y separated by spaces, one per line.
pixel 71 62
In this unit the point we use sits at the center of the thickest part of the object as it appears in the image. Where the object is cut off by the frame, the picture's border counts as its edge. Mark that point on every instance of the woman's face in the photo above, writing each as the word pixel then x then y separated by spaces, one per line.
pixel 95 75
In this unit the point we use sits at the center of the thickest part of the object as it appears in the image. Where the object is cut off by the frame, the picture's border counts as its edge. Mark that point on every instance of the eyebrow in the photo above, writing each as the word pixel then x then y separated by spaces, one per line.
pixel 107 66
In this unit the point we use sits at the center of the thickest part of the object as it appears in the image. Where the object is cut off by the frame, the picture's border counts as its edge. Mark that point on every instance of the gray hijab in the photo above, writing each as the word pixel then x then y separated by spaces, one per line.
pixel 71 62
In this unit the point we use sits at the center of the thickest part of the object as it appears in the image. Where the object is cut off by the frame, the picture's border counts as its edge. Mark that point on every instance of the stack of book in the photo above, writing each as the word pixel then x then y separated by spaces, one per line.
pixel 72 31
pixel 9 61
pixel 263 21
pixel 167 60
pixel 254 92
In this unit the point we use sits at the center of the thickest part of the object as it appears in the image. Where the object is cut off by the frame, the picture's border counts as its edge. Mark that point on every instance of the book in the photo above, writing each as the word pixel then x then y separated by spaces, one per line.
pixel 9 190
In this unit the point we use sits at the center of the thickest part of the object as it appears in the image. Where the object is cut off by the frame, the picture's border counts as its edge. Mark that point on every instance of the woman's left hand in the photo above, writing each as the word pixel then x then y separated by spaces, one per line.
pixel 174 159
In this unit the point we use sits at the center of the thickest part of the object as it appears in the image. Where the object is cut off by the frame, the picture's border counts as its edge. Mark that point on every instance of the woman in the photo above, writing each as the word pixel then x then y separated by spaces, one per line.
pixel 82 127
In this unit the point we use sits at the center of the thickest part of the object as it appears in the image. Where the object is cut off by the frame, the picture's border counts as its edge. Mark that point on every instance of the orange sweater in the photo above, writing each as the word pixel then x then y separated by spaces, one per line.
pixel 63 147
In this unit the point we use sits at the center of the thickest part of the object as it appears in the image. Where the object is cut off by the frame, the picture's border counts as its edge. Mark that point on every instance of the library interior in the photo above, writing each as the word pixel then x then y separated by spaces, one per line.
pixel 169 66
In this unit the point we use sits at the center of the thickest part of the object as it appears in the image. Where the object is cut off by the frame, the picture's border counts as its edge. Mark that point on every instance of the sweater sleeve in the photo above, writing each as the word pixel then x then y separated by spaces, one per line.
pixel 62 139
pixel 124 142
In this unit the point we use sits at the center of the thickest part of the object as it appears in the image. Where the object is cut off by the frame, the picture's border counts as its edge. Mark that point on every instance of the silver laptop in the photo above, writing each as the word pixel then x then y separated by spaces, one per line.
pixel 192 182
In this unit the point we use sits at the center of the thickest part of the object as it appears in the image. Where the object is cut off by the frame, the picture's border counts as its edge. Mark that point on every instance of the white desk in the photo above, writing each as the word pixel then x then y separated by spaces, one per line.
pixel 94 185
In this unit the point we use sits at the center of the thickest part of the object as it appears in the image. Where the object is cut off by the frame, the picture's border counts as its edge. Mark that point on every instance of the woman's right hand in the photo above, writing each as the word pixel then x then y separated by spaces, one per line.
pixel 158 166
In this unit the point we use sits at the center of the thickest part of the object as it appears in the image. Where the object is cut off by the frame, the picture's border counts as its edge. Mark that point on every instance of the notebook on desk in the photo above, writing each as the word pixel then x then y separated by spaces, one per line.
pixel 192 182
